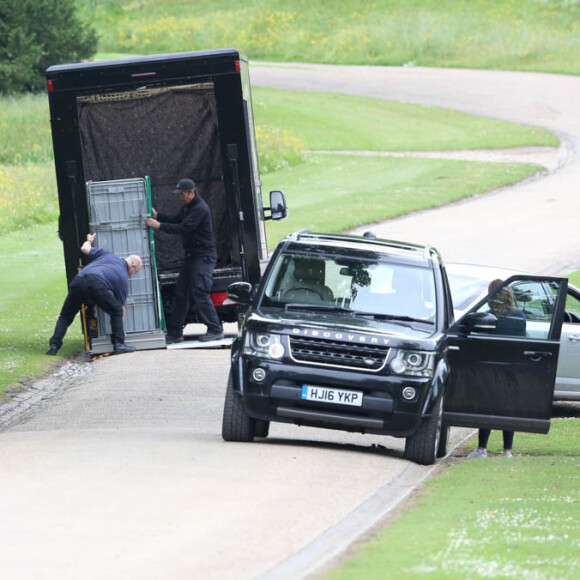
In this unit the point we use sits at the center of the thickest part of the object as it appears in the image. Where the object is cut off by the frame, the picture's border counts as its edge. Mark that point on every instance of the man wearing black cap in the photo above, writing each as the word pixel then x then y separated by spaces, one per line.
pixel 193 223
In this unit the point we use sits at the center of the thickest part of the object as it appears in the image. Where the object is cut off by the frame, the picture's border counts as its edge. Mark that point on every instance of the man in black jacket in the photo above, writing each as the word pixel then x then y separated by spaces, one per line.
pixel 193 223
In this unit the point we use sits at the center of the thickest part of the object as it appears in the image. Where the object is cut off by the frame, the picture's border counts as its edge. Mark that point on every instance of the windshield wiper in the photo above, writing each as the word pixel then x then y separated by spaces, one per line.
pixel 380 316
pixel 325 307
pixel 340 309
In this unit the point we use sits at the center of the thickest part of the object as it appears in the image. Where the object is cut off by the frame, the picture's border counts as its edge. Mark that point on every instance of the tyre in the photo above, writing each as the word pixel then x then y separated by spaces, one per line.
pixel 262 428
pixel 237 425
pixel 443 440
pixel 422 446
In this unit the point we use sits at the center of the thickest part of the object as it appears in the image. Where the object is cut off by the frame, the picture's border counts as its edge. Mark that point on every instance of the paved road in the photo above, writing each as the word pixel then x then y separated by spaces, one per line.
pixel 531 227
pixel 123 473
pixel 120 470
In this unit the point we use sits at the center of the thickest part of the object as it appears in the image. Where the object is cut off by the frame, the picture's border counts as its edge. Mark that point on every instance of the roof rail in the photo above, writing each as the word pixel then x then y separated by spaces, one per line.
pixel 295 236
pixel 429 249
pixel 306 233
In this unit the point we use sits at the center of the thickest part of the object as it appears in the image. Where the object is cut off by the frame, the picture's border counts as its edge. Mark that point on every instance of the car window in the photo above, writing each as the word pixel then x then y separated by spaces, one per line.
pixel 572 310
pixel 536 299
pixel 524 308
pixel 465 289
pixel 374 287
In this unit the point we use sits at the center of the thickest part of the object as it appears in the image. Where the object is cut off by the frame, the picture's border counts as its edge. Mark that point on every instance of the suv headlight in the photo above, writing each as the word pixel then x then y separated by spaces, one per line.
pixel 262 344
pixel 413 363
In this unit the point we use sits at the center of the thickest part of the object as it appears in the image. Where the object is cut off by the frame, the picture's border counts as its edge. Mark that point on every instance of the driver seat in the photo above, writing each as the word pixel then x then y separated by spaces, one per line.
pixel 308 281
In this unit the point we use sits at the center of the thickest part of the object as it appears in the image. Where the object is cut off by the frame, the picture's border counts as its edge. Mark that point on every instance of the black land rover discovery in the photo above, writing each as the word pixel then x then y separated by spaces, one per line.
pixel 357 334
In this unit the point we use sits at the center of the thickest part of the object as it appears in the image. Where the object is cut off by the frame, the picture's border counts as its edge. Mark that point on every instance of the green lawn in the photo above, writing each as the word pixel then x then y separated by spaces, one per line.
pixel 574 278
pixel 347 123
pixel 487 518
pixel 33 288
pixel 335 193
pixel 541 35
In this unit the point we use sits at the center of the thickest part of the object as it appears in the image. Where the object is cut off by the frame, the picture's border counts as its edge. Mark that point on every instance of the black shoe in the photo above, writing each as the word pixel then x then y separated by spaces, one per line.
pixel 53 349
pixel 121 348
pixel 211 336
pixel 169 339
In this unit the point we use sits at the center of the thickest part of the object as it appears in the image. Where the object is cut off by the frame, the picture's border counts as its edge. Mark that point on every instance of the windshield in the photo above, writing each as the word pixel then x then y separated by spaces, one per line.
pixel 350 285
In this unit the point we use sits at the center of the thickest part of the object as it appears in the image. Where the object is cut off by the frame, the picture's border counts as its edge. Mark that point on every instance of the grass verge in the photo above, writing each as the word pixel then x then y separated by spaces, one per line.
pixel 574 278
pixel 502 34
pixel 488 518
pixel 32 289
pixel 27 195
pixel 336 193
pixel 349 123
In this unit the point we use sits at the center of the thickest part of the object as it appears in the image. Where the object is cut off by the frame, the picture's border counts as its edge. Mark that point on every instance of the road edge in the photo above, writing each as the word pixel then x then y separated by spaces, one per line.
pixel 333 543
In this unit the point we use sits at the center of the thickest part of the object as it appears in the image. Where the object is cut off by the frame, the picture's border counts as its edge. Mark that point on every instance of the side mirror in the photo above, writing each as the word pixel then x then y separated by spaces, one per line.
pixel 478 322
pixel 240 292
pixel 278 208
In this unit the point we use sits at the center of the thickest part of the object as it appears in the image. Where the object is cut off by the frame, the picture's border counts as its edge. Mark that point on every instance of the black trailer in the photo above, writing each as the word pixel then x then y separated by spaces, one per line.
pixel 158 119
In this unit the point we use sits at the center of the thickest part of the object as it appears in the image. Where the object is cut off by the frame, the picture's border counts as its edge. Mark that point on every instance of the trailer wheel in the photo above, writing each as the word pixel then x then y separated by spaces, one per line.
pixel 262 428
pixel 422 446
pixel 237 425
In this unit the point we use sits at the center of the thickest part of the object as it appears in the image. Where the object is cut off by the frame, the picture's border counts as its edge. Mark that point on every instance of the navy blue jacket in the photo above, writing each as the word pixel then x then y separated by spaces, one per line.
pixel 511 323
pixel 111 270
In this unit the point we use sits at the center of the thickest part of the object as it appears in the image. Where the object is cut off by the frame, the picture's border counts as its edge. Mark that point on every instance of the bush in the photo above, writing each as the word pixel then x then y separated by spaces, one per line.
pixel 278 148
pixel 35 34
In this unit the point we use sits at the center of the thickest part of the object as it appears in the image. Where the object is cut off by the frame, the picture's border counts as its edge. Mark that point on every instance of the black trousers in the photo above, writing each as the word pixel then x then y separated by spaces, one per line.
pixel 508 438
pixel 89 289
pixel 193 289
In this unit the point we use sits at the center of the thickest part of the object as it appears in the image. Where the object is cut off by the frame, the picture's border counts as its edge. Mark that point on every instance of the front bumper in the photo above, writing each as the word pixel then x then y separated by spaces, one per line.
pixel 278 397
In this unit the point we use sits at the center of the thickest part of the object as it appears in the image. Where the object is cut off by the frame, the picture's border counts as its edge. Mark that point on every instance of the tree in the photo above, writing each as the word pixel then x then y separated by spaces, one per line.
pixel 35 34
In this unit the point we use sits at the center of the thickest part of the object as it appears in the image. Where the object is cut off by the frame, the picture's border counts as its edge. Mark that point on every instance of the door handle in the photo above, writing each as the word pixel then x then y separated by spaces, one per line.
pixel 574 337
pixel 537 355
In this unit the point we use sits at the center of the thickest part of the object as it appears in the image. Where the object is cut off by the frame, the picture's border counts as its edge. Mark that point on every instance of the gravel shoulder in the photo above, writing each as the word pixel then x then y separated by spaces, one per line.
pixel 551 158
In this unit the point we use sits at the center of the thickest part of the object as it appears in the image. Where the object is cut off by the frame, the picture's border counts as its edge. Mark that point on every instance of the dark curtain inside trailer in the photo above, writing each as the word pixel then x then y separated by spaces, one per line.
pixel 167 134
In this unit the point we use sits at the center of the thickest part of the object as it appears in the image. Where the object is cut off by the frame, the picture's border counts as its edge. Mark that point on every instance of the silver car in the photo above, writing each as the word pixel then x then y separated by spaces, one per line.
pixel 469 283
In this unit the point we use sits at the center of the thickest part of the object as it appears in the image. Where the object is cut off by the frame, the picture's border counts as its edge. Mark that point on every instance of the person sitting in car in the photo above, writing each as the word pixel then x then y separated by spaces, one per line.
pixel 510 320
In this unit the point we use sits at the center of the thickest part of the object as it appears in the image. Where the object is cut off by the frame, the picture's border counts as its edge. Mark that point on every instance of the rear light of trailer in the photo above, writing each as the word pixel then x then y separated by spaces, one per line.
pixel 219 298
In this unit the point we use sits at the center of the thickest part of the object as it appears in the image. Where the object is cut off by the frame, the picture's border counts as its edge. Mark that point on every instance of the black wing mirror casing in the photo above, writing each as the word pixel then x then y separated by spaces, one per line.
pixel 278 208
pixel 240 292
pixel 478 322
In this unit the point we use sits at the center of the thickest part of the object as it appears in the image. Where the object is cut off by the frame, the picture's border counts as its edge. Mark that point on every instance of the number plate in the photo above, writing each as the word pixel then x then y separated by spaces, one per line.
pixel 337 396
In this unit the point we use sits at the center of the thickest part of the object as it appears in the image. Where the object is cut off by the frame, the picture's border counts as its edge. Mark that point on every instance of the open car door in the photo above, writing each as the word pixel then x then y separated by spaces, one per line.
pixel 503 356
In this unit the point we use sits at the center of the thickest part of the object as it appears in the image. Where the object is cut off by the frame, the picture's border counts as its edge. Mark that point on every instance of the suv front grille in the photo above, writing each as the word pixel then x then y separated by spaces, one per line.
pixel 335 353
